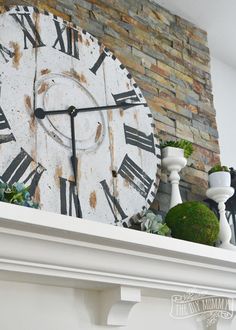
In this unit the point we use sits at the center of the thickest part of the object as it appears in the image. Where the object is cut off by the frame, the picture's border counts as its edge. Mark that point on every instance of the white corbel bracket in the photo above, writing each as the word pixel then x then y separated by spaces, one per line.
pixel 117 303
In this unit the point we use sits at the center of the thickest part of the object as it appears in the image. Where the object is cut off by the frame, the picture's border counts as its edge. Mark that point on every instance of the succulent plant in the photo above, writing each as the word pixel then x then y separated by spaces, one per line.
pixel 218 168
pixel 187 146
pixel 16 193
pixel 150 222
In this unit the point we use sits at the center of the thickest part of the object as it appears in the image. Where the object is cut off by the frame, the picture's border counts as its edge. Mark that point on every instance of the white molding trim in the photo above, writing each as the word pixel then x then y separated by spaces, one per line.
pixel 47 248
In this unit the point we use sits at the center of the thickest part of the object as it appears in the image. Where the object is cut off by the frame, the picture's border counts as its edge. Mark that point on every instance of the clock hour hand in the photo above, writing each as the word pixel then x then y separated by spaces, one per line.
pixel 41 113
pixel 74 160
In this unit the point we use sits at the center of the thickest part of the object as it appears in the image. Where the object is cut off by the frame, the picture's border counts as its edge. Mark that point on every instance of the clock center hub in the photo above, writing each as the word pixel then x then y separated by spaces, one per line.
pixel 59 92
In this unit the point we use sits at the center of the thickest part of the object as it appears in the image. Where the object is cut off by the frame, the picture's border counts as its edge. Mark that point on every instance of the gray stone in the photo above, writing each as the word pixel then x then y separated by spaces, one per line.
pixel 96 29
pixel 179 82
pixel 204 107
pixel 183 192
pixel 69 10
pixel 111 32
pixel 178 117
pixel 191 100
pixel 83 3
pixel 164 119
pixel 163 201
pixel 213 132
pixel 145 78
pixel 143 55
pixel 75 20
pixel 126 26
pixel 165 187
pixel 169 16
pixel 184 112
pixel 65 6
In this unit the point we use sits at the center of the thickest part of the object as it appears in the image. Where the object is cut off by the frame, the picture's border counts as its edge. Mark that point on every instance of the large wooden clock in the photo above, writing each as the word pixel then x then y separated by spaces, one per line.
pixel 49 71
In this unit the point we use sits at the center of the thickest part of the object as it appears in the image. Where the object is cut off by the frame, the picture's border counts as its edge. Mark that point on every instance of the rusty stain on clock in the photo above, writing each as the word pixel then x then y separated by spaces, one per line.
pixel 87 43
pixel 121 112
pixel 128 85
pixel 126 183
pixel 37 194
pixel 93 199
pixel 45 71
pixel 110 116
pixel 58 173
pixel 80 38
pixel 111 146
pixel 102 47
pixel 43 88
pixel 17 54
pixel 28 106
pixel 28 102
pixel 36 18
pixel 76 75
pixel 98 132
pixel 71 178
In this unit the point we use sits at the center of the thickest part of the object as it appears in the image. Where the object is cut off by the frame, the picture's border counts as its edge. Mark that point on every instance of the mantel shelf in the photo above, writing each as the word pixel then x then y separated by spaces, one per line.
pixel 47 248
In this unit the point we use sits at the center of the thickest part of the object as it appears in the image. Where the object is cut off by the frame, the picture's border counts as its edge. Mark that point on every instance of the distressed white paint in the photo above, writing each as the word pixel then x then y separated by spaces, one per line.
pixel 47 77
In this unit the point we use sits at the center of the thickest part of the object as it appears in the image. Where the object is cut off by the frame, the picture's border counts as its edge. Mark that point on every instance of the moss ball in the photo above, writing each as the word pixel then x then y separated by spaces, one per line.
pixel 193 221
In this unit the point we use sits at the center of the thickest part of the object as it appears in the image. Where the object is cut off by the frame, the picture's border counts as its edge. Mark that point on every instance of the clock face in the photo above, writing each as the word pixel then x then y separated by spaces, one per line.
pixel 51 64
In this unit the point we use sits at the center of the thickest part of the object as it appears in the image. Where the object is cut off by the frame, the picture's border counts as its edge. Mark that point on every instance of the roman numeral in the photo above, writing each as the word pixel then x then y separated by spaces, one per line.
pixel 29 29
pixel 71 34
pixel 5 138
pixel 6 53
pixel 139 139
pixel 135 176
pixel 113 202
pixel 69 198
pixel 99 62
pixel 129 97
pixel 19 171
pixel 4 125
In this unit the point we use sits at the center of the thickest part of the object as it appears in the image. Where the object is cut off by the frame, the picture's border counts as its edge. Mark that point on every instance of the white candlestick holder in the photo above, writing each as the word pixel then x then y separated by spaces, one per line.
pixel 220 195
pixel 174 165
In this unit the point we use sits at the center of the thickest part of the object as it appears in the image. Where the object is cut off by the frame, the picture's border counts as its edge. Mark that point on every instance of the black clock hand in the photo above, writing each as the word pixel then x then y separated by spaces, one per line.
pixel 123 105
pixel 74 160
pixel 41 113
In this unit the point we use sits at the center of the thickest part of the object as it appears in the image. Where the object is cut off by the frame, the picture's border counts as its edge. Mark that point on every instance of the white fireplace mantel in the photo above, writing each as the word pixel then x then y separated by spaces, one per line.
pixel 47 248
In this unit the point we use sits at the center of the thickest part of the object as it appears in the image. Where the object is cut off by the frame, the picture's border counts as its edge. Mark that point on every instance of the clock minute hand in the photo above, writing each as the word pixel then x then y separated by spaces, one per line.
pixel 41 113
pixel 123 105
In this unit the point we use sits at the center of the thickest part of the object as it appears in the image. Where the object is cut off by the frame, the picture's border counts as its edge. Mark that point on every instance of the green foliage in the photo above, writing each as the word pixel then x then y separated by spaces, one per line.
pixel 193 221
pixel 16 193
pixel 149 222
pixel 183 144
pixel 218 168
